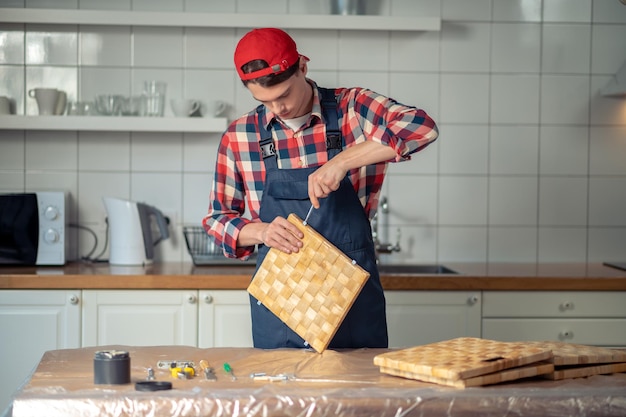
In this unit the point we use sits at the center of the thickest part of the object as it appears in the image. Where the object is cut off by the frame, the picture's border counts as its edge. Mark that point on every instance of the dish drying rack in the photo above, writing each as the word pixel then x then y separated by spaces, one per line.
pixel 204 251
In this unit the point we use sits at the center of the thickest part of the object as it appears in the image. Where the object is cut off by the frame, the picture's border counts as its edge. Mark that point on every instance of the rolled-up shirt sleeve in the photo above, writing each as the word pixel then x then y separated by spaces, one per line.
pixel 405 129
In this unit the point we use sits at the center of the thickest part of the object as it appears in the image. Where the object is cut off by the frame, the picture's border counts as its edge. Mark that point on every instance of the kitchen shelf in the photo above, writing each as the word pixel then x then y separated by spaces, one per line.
pixel 114 123
pixel 234 20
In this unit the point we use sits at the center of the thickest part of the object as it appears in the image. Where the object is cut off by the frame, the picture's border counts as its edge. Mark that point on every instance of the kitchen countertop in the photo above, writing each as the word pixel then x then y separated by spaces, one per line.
pixel 471 276
pixel 335 382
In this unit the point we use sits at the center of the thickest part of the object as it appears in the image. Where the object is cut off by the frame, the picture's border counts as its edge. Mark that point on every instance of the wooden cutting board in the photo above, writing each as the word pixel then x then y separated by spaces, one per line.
pixel 312 290
pixel 581 371
pixel 527 371
pixel 454 360
pixel 578 361
pixel 574 354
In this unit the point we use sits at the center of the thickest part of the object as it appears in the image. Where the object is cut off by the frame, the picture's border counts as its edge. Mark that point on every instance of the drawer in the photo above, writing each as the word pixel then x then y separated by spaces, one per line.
pixel 554 304
pixel 598 332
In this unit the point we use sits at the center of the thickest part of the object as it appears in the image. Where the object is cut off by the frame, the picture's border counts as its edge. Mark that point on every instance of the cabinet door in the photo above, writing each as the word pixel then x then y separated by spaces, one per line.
pixel 421 317
pixel 554 304
pixel 224 319
pixel 594 331
pixel 584 317
pixel 140 318
pixel 31 323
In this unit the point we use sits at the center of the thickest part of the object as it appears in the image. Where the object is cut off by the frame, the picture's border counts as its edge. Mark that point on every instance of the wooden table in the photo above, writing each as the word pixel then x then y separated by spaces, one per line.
pixel 337 383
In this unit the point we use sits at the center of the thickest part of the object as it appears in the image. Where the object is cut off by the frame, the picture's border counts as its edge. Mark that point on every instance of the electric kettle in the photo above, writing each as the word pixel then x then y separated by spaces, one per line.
pixel 131 233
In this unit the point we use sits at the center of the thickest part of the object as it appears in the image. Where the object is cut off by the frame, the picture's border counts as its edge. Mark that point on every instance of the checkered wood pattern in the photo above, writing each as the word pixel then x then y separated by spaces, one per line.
pixel 310 291
pixel 461 359
pixel 576 354
pixel 576 361
pixel 538 368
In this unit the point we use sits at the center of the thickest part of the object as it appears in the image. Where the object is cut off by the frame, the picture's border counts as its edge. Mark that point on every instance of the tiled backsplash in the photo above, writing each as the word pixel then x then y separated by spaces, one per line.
pixel 531 161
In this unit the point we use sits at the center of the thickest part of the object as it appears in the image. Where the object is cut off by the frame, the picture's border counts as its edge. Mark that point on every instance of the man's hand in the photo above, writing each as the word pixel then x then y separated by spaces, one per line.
pixel 325 180
pixel 280 234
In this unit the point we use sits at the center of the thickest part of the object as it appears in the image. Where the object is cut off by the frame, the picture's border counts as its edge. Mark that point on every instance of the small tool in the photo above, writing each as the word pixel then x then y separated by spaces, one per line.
pixel 209 374
pixel 270 378
pixel 168 364
pixel 229 370
pixel 185 371
pixel 150 374
pixel 308 215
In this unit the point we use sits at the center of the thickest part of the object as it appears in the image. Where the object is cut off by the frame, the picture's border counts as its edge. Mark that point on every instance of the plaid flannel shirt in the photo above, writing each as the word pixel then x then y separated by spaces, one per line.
pixel 240 172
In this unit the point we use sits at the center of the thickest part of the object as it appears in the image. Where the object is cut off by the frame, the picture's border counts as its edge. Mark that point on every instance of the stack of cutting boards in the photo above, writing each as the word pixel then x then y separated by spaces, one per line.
pixel 470 362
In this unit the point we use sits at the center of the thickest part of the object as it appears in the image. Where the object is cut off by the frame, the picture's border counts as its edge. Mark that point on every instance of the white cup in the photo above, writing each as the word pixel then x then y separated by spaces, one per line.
pixel 50 101
pixel 216 108
pixel 5 105
pixel 184 107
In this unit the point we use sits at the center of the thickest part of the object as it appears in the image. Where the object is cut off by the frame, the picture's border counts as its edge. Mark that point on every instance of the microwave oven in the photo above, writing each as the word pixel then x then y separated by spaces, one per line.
pixel 33 228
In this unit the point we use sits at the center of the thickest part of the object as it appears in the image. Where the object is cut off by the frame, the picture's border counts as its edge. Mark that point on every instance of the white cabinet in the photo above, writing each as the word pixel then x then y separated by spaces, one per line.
pixel 590 317
pixel 140 317
pixel 421 317
pixel 31 323
pixel 224 319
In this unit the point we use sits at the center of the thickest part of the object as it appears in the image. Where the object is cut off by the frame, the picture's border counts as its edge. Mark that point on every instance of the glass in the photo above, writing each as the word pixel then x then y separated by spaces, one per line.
pixel 154 98
pixel 79 108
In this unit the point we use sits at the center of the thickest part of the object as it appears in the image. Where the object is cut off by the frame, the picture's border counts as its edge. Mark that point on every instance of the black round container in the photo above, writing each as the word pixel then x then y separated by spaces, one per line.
pixel 111 367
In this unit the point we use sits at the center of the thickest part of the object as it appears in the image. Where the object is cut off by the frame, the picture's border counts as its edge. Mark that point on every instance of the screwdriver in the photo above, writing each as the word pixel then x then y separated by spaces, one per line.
pixel 208 371
pixel 229 370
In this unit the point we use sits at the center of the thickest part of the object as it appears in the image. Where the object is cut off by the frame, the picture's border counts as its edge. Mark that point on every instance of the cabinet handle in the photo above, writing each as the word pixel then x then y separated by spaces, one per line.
pixel 191 299
pixel 566 334
pixel 208 298
pixel 567 305
pixel 472 300
pixel 74 299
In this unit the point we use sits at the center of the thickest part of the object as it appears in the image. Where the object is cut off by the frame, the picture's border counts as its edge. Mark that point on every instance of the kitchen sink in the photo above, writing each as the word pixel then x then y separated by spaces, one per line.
pixel 414 269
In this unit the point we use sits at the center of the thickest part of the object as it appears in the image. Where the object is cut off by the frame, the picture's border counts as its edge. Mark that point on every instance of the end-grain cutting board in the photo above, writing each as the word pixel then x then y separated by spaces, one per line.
pixel 577 361
pixel 573 354
pixel 453 361
pixel 527 371
pixel 312 290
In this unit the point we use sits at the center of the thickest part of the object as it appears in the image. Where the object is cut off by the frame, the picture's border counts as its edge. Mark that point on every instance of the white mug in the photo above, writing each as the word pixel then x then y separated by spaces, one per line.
pixel 184 107
pixel 5 105
pixel 50 101
pixel 216 108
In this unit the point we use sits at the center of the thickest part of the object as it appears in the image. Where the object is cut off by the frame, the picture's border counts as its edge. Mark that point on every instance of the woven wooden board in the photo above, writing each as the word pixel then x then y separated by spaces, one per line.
pixel 574 354
pixel 462 358
pixel 527 371
pixel 312 290
pixel 580 371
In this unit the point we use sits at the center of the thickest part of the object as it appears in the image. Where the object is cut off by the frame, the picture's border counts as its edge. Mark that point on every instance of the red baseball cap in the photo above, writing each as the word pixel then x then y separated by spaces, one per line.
pixel 272 45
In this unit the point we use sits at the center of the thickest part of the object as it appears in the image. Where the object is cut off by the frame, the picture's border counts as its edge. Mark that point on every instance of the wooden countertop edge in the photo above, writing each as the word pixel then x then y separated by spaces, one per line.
pixel 240 282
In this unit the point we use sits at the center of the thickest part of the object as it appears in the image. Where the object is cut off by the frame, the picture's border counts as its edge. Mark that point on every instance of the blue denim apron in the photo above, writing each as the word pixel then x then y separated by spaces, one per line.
pixel 340 219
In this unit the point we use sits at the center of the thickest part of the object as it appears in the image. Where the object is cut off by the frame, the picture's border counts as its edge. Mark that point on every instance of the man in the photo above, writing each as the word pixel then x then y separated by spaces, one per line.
pixel 305 146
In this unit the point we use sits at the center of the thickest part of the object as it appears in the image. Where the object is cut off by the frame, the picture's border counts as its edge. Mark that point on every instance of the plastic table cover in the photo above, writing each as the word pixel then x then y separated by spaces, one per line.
pixel 333 383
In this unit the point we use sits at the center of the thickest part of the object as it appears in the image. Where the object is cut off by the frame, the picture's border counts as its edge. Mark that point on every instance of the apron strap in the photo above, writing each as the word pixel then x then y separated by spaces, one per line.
pixel 331 117
pixel 334 139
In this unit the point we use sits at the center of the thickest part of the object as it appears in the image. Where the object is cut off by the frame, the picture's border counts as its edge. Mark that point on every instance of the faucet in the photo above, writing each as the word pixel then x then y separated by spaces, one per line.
pixel 379 246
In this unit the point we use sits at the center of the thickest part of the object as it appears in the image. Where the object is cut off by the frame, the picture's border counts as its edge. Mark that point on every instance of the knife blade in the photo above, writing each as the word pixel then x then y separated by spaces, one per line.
pixel 308 215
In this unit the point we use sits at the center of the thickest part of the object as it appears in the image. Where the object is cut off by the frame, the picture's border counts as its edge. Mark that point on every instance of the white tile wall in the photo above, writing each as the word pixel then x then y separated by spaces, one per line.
pixel 530 165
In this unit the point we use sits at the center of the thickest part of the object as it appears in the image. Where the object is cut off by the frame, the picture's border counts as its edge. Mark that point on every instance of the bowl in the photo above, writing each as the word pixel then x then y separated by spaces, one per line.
pixel 109 104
